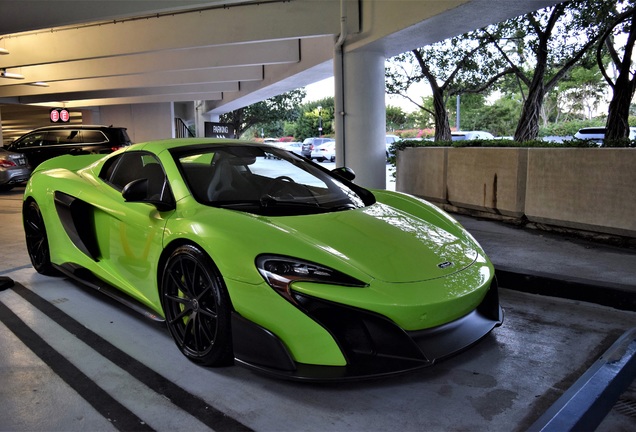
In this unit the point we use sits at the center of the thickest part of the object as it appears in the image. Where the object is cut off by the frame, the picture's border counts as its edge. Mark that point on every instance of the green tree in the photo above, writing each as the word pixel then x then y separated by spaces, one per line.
pixel 499 118
pixel 311 116
pixel 424 117
pixel 395 118
pixel 270 113
pixel 624 84
pixel 582 91
pixel 461 65
pixel 543 46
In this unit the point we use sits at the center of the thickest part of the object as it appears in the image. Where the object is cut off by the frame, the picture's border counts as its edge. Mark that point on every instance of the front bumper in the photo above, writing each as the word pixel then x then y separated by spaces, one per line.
pixel 373 345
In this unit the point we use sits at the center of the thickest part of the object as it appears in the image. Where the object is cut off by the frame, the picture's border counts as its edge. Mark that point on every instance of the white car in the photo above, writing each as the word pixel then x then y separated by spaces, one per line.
pixel 323 152
pixel 289 146
pixel 471 135
pixel 597 134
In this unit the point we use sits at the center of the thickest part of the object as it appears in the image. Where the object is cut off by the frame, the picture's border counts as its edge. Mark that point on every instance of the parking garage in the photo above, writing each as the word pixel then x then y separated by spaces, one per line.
pixel 72 360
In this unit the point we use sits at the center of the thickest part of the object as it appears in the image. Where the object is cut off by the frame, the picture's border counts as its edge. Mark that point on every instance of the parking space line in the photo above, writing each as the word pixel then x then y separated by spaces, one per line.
pixel 181 398
pixel 11 270
pixel 120 416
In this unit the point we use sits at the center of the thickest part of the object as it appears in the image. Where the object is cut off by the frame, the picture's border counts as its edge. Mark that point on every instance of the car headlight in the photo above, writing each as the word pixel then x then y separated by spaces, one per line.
pixel 280 272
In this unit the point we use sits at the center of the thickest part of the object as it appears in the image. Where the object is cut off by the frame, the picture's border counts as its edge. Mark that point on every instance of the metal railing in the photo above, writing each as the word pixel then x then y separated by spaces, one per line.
pixel 181 130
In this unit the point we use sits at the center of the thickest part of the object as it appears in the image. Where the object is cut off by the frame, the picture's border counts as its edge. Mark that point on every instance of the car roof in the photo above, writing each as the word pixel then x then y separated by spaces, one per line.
pixel 67 127
pixel 596 129
pixel 169 144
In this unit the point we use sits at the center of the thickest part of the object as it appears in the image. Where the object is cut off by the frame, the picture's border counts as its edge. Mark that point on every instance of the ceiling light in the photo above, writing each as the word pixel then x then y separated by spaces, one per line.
pixel 5 74
pixel 4 51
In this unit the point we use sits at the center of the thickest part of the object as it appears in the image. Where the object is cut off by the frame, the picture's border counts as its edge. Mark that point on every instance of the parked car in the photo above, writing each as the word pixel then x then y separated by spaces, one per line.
pixel 276 264
pixel 323 152
pixel 48 142
pixel 294 146
pixel 597 134
pixel 471 135
pixel 14 169
pixel 310 143
pixel 289 146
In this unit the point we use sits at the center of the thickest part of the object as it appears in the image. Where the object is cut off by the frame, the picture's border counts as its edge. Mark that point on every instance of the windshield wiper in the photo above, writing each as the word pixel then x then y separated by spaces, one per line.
pixel 269 201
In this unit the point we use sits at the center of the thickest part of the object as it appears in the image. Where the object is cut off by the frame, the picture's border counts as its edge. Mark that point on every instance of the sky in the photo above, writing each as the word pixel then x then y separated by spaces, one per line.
pixel 325 88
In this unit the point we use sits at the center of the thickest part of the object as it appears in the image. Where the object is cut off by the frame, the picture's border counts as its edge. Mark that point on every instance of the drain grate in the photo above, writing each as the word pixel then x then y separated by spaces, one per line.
pixel 626 404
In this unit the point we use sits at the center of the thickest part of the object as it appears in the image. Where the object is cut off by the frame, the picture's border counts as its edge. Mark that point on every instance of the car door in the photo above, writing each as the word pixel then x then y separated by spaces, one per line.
pixel 130 234
pixel 30 146
pixel 61 142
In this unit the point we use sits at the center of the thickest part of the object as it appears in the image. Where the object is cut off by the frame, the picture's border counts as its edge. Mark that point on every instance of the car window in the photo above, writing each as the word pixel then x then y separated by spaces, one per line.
pixel 264 180
pixel 592 131
pixel 93 136
pixel 72 136
pixel 31 140
pixel 120 136
pixel 120 170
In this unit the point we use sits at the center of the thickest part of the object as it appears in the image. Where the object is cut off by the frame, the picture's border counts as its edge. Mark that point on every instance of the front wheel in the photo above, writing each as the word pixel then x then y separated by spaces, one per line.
pixel 37 241
pixel 197 307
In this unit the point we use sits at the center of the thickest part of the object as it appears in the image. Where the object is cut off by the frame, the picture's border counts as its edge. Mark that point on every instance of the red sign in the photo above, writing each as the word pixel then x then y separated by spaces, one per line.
pixel 60 115
pixel 65 116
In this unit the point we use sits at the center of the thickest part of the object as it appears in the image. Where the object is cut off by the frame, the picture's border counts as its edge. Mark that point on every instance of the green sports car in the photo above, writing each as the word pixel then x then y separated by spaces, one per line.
pixel 255 255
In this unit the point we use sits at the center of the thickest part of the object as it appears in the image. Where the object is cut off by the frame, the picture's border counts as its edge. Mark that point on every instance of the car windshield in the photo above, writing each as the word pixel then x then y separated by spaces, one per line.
pixel 265 180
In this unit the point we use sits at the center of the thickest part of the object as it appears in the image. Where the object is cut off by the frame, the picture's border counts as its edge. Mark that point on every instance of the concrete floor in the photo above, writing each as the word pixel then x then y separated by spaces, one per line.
pixel 73 360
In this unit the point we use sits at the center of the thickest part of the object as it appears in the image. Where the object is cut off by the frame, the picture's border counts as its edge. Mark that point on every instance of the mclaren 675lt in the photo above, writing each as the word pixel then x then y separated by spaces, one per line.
pixel 255 255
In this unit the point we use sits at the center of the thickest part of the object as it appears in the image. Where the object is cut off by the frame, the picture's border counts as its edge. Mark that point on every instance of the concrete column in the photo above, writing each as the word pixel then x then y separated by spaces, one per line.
pixel 362 144
pixel 199 119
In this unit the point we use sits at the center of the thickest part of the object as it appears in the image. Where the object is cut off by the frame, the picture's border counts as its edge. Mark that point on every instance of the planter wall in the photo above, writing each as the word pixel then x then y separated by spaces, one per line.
pixel 586 189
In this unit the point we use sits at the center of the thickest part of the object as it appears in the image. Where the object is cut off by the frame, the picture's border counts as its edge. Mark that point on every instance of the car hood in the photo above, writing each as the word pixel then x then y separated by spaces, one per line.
pixel 385 243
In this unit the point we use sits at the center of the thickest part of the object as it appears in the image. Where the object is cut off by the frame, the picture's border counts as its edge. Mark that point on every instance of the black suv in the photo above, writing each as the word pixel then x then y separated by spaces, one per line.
pixel 47 142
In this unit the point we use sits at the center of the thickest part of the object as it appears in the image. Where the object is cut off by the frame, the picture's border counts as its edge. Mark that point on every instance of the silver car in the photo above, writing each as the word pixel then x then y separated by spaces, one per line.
pixel 14 169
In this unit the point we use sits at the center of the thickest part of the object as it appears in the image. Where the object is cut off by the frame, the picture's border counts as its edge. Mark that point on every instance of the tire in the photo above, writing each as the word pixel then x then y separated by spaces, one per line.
pixel 197 307
pixel 36 239
pixel 5 188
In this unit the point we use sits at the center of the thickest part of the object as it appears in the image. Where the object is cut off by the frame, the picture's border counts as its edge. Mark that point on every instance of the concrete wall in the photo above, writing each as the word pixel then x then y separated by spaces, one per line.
pixel 145 122
pixel 592 189
pixel 587 189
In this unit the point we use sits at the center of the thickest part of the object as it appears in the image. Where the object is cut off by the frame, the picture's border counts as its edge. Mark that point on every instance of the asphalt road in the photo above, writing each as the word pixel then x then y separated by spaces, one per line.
pixel 72 360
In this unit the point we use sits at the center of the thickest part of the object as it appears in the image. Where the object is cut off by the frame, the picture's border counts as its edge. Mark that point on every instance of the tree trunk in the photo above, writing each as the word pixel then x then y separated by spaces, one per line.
pixel 528 126
pixel 442 125
pixel 617 126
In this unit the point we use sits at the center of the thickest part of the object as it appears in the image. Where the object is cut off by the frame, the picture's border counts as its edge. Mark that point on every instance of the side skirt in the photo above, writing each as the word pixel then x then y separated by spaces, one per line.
pixel 87 278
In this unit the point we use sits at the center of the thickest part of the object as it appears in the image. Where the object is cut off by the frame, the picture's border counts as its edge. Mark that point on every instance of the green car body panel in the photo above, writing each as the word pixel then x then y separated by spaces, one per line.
pixel 419 268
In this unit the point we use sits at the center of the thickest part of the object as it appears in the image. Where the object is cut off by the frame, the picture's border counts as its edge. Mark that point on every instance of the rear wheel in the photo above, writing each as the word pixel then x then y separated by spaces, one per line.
pixel 37 241
pixel 197 307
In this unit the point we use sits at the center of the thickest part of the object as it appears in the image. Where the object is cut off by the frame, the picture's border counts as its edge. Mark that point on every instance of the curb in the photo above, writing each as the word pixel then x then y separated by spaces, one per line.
pixel 618 296
pixel 588 401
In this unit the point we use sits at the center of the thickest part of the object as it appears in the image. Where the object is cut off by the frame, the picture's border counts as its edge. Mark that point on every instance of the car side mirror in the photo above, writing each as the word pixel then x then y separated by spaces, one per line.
pixel 344 172
pixel 137 191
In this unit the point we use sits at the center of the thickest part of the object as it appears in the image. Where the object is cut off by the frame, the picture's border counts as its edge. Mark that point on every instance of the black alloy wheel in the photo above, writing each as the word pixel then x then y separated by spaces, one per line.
pixel 37 241
pixel 197 307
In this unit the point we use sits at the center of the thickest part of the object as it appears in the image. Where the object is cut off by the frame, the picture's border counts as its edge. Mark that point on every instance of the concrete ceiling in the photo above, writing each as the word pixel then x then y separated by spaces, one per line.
pixel 229 53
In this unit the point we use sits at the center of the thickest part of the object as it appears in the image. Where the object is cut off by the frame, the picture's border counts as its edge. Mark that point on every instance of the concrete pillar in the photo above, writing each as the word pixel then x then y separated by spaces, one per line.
pixel 361 145
pixel 200 117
